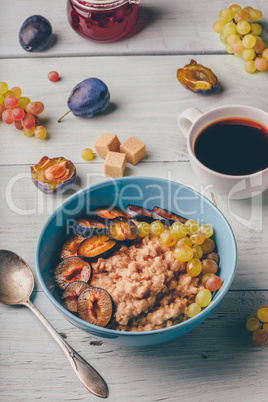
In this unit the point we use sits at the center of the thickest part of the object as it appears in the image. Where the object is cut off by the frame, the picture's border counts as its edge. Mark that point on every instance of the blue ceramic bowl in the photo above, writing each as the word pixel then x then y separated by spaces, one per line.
pixel 146 192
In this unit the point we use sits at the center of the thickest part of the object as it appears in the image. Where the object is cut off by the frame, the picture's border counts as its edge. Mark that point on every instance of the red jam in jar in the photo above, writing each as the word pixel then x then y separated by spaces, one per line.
pixel 103 20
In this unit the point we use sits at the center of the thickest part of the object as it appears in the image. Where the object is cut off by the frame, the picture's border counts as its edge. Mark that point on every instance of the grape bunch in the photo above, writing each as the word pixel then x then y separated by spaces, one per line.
pixel 258 325
pixel 19 110
pixel 240 33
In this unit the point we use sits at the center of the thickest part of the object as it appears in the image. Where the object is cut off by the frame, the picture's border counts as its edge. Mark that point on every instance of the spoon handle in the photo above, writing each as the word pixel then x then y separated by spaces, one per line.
pixel 86 374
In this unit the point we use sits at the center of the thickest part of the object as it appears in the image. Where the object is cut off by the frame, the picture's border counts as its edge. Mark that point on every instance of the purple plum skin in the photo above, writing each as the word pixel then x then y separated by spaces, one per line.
pixel 89 97
pixel 35 33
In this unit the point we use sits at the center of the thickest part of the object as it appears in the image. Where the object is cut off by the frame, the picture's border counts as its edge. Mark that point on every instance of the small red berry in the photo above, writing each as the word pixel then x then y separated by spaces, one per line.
pixel 53 76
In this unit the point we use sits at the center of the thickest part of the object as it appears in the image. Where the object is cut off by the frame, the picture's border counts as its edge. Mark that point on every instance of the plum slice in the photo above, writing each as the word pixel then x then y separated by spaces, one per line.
pixel 110 213
pixel 71 293
pixel 95 306
pixel 72 269
pixel 97 246
pixel 139 213
pixel 122 229
pixel 168 215
pixel 89 227
pixel 70 247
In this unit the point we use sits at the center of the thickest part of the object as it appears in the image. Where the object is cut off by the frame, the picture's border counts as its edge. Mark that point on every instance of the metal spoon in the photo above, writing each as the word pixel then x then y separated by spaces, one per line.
pixel 16 287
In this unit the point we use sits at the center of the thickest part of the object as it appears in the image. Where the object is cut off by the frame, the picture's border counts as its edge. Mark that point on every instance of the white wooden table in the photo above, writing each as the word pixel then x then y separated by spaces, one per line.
pixel 215 362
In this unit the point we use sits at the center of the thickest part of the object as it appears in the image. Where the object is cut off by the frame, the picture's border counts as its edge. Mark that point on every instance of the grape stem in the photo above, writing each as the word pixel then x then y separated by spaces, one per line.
pixel 60 119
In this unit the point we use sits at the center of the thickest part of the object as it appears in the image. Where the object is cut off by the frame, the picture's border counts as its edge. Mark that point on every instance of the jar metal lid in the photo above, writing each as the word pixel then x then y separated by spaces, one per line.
pixel 102 4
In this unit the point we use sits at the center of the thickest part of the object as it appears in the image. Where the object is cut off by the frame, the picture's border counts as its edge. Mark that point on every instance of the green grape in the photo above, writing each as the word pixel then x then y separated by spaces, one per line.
pixel 250 67
pixel 40 132
pixel 241 15
pixel 207 229
pixel 194 267
pixel 252 323
pixel 198 252
pixel 2 98
pixel 248 54
pixel 259 337
pixel 231 39
pixel 249 41
pixel 23 102
pixel 193 309
pixel 243 27
pixel 255 29
pixel 229 29
pixel 185 241
pixel 203 297
pixel 198 238
pixel 255 15
pixel 238 47
pixel 235 8
pixel 168 238
pixel 28 133
pixel 156 228
pixel 144 228
pixel 205 277
pixel 226 14
pixel 260 63
pixel 208 246
pixel 262 313
pixel 218 26
pixel 248 8
pixel 87 154
pixel 179 229
pixel 9 92
pixel 238 54
pixel 223 38
pixel 229 49
pixel 192 225
pixel 3 88
pixel 265 326
pixel 183 253
pixel 264 55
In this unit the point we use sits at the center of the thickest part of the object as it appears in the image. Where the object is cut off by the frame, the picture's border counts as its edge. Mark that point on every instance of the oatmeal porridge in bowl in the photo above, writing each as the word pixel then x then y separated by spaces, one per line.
pixel 136 274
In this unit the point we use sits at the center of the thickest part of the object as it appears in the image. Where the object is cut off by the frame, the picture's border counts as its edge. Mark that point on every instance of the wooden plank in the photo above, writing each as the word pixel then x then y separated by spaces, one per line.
pixel 215 362
pixel 146 99
pixel 169 27
pixel 25 209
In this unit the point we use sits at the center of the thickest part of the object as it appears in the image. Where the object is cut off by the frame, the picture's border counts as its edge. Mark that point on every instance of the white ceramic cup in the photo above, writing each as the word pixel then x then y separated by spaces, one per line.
pixel 192 122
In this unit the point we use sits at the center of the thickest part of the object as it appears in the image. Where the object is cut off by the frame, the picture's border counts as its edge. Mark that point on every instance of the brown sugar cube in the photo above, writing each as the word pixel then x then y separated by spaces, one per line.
pixel 115 164
pixel 106 143
pixel 134 150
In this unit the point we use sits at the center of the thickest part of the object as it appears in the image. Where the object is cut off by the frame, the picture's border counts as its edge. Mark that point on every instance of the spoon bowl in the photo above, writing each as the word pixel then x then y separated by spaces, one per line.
pixel 16 287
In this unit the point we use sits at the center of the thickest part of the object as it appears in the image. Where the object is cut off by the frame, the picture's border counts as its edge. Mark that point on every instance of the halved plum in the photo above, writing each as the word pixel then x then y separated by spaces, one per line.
pixel 70 247
pixel 97 246
pixel 71 293
pixel 122 229
pixel 89 227
pixel 168 215
pixel 139 213
pixel 110 213
pixel 72 269
pixel 95 306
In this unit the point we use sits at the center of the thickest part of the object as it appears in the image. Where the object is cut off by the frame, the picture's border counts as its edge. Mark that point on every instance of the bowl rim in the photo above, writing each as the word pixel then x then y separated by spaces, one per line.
pixel 71 317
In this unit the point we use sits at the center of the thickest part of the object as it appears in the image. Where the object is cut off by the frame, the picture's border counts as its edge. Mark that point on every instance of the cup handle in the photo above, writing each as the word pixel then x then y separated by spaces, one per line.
pixel 187 118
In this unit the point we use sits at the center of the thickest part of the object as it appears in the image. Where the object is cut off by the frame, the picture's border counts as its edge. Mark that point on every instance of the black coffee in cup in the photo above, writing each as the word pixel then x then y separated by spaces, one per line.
pixel 233 146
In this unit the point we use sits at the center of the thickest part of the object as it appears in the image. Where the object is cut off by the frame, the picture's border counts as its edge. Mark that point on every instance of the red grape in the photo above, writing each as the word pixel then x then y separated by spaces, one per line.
pixel 11 101
pixel 28 121
pixel 259 337
pixel 35 107
pixel 18 124
pixel 209 266
pixel 213 283
pixel 18 113
pixel 7 116
pixel 53 76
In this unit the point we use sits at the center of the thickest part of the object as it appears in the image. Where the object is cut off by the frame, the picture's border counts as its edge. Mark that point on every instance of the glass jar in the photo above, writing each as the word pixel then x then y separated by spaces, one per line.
pixel 103 20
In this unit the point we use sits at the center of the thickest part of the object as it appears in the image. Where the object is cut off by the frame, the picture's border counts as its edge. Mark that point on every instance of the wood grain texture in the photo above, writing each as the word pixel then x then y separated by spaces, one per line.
pixel 27 208
pixel 146 100
pixel 215 362
pixel 165 27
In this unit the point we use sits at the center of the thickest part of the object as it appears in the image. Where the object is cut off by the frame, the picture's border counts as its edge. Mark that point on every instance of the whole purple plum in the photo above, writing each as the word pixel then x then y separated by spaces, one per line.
pixel 35 33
